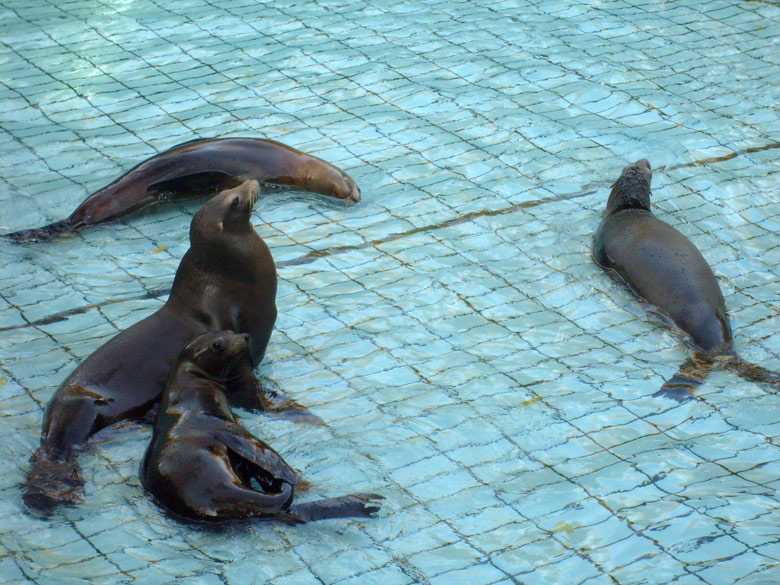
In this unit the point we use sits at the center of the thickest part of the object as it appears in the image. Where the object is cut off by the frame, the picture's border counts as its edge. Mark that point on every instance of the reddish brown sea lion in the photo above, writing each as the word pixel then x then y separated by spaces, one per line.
pixel 226 281
pixel 202 167
pixel 664 268
pixel 201 461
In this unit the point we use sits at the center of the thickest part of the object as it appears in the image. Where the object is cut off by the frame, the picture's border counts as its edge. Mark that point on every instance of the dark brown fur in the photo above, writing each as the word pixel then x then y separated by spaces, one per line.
pixel 202 167
pixel 201 462
pixel 226 281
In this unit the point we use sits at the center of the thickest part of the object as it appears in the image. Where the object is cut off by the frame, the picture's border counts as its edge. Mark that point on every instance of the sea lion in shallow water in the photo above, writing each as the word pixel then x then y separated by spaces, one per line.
pixel 201 461
pixel 664 268
pixel 202 167
pixel 226 280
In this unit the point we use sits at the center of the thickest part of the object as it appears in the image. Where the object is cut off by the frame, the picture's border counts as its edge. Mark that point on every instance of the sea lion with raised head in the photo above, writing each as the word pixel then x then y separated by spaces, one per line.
pixel 663 268
pixel 226 280
pixel 201 461
pixel 202 167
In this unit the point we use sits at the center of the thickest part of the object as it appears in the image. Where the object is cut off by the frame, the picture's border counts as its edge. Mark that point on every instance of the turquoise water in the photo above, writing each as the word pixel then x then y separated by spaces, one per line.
pixel 471 362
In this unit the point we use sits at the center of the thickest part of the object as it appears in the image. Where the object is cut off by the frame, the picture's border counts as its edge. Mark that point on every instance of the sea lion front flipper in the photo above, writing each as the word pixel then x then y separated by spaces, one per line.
pixel 284 406
pixel 350 506
pixel 196 184
pixel 688 377
pixel 246 391
pixel 249 447
pixel 52 481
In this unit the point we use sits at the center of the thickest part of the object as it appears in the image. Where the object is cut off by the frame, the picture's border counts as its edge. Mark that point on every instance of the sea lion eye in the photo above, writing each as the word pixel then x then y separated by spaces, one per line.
pixel 217 346
pixel 234 203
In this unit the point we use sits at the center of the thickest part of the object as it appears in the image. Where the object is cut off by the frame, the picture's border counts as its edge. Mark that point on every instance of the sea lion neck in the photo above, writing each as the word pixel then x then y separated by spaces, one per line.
pixel 632 189
pixel 195 387
pixel 228 250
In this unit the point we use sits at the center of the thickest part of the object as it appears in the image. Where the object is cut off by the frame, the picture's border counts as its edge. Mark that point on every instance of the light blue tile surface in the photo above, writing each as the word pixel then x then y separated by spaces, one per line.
pixel 471 362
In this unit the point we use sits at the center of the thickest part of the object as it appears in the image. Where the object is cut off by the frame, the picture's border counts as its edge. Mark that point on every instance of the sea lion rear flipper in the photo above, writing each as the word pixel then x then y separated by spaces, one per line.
pixel 351 506
pixel 688 377
pixel 753 372
pixel 249 447
pixel 678 388
pixel 42 233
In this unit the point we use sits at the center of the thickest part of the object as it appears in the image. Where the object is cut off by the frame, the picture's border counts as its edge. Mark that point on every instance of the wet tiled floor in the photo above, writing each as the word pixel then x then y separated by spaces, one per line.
pixel 471 362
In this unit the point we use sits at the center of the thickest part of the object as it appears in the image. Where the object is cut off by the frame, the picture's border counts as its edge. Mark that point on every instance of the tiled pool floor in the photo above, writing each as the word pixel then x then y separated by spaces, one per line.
pixel 471 362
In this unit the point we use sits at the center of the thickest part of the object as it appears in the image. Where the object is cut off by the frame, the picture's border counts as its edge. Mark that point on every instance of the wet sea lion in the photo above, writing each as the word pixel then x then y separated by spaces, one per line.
pixel 202 167
pixel 226 280
pixel 201 461
pixel 663 268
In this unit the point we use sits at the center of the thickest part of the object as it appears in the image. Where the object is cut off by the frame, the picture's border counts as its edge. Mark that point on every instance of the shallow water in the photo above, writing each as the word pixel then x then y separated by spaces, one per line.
pixel 471 362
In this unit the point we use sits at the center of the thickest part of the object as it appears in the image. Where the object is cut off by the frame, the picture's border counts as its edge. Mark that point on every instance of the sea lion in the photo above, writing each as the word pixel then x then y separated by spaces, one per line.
pixel 226 280
pixel 201 461
pixel 202 167
pixel 663 268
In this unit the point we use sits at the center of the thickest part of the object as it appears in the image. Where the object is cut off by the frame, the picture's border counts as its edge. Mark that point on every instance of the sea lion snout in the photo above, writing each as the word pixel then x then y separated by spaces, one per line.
pixel 253 188
pixel 639 168
pixel 239 343
pixel 344 189
pixel 244 196
pixel 354 194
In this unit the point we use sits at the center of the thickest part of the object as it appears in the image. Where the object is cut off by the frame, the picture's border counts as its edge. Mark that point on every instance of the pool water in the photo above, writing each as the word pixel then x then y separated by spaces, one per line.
pixel 471 362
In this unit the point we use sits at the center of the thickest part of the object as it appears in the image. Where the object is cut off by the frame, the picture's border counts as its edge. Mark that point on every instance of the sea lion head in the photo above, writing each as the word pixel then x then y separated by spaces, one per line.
pixel 632 189
pixel 228 212
pixel 345 189
pixel 327 180
pixel 216 353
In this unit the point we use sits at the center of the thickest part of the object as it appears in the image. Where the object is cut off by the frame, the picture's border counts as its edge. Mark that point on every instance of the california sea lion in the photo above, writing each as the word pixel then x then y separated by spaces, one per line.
pixel 202 167
pixel 226 280
pixel 201 461
pixel 664 268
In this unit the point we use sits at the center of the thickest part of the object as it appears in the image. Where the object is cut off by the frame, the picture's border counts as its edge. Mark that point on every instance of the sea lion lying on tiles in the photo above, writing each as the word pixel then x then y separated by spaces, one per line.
pixel 202 167
pixel 201 462
pixel 663 267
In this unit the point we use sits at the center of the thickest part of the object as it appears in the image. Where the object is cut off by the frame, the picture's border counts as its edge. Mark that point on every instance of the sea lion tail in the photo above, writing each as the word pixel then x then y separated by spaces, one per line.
pixel 52 481
pixel 42 233
pixel 752 372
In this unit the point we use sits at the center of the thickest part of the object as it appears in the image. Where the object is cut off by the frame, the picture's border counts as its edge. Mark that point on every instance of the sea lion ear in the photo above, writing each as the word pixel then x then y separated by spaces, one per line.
pixel 220 227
